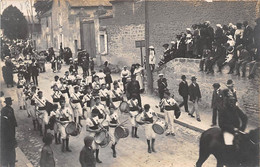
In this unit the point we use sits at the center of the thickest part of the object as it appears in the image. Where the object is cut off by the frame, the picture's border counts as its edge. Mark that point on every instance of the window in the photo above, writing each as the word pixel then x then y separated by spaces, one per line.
pixel 59 3
pixel 60 19
pixel 103 43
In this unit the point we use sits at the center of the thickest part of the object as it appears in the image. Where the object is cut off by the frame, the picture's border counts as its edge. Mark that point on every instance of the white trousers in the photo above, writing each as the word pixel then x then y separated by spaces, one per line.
pixel 112 135
pixel 95 146
pixel 149 133
pixel 62 131
pixel 21 98
pixel 132 118
pixel 169 118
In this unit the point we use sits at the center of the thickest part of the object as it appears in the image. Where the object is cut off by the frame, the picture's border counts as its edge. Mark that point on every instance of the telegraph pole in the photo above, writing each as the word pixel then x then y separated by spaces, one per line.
pixel 148 70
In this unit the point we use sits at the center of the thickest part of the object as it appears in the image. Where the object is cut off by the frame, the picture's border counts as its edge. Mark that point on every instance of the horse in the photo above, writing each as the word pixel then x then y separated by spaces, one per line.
pixel 244 152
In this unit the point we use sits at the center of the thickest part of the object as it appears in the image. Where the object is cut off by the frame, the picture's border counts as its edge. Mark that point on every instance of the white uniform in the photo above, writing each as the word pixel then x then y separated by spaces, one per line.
pixel 75 105
pixel 30 105
pixel 133 111
pixel 169 112
pixel 20 94
pixel 56 97
pixel 148 118
pixel 96 87
pixel 105 112
pixel 87 102
pixel 42 114
pixel 101 76
pixel 65 116
pixel 103 94
pixel 92 128
pixel 113 122
pixel 63 88
pixel 114 95
pixel 55 83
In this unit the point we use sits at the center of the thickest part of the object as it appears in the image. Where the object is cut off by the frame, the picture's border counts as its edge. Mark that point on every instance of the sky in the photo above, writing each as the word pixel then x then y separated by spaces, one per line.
pixel 23 5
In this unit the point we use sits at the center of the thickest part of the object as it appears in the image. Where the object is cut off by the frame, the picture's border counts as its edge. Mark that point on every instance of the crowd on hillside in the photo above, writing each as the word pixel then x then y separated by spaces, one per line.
pixel 232 45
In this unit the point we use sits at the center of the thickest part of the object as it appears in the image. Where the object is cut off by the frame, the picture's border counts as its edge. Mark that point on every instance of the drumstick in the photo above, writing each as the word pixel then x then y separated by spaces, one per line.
pixel 122 122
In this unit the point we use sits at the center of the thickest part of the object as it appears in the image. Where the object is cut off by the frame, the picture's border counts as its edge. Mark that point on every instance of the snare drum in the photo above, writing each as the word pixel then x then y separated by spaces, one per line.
pixel 159 126
pixel 121 132
pixel 102 138
pixel 71 129
pixel 138 119
pixel 124 107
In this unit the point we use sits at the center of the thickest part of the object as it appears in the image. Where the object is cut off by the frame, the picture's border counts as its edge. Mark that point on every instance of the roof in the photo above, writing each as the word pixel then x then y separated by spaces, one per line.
pixel 83 3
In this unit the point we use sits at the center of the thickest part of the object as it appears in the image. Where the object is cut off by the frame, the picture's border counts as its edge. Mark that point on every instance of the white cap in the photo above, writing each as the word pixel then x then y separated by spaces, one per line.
pixel 173 42
pixel 218 25
pixel 151 47
pixel 160 74
pixel 230 36
pixel 188 29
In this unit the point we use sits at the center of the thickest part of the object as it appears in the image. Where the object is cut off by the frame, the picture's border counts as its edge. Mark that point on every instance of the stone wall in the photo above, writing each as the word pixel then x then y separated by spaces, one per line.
pixel 247 90
pixel 170 17
pixel 126 26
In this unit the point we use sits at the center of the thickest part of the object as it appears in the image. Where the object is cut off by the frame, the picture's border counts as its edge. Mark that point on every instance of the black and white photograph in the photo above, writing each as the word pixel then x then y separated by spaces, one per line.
pixel 129 83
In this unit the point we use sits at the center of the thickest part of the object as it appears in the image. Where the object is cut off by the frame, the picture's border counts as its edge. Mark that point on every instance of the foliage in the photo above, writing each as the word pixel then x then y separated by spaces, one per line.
pixel 14 23
pixel 42 6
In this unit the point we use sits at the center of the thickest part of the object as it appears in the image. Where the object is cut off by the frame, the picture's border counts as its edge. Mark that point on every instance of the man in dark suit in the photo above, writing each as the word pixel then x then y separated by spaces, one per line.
pixel 195 97
pixel 133 88
pixel 216 103
pixel 247 35
pixel 8 141
pixel 162 85
pixel 184 92
pixel 34 70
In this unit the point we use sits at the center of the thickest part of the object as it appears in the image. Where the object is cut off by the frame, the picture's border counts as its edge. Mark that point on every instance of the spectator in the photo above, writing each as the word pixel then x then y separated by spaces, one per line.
pixel 91 64
pixel 162 85
pixel 7 71
pixel 173 50
pixel 180 46
pixel 205 57
pixel 238 36
pixel 133 88
pixel 219 34
pixel 151 58
pixel 125 73
pixel 243 58
pixel 166 55
pixel 108 77
pixel 184 92
pixel 34 70
pixel 47 159
pixel 247 35
pixel 216 102
pixel 195 97
pixel 139 76
pixel 196 42
pixel 86 157
pixel 8 141
pixel 189 46
pixel 230 59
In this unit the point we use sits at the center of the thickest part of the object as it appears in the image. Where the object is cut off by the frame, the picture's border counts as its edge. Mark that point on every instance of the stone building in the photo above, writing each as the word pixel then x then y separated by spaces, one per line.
pixel 62 23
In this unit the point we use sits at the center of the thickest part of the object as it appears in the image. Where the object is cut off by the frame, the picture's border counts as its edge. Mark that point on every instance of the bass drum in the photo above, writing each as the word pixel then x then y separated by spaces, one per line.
pixel 124 107
pixel 121 132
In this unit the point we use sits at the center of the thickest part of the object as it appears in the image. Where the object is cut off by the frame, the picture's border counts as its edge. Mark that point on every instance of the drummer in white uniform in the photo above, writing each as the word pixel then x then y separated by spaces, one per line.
pixel 55 82
pixel 104 93
pixel 20 94
pixel 93 127
pixel 103 111
pixel 96 85
pixel 56 94
pixel 147 117
pixel 87 102
pixel 75 100
pixel 30 105
pixel 116 95
pixel 133 111
pixel 169 105
pixel 63 88
pixel 113 123
pixel 64 116
pixel 42 114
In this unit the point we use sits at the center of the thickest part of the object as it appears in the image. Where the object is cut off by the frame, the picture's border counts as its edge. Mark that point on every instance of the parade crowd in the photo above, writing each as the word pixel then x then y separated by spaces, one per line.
pixel 233 45
pixel 103 103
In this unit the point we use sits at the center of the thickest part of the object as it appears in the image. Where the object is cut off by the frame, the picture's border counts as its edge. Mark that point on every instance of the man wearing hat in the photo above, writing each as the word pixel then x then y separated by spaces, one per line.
pixel 173 50
pixel 195 97
pixel 244 57
pixel 162 85
pixel 216 103
pixel 151 58
pixel 166 54
pixel 184 92
pixel 8 141
pixel 125 73
pixel 86 157
pixel 247 35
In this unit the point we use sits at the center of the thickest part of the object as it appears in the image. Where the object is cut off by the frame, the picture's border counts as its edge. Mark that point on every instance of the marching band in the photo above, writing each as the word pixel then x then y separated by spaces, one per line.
pixel 75 99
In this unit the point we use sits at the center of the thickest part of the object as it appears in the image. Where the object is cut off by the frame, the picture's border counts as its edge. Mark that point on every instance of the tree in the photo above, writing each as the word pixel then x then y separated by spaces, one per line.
pixel 14 24
pixel 42 6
